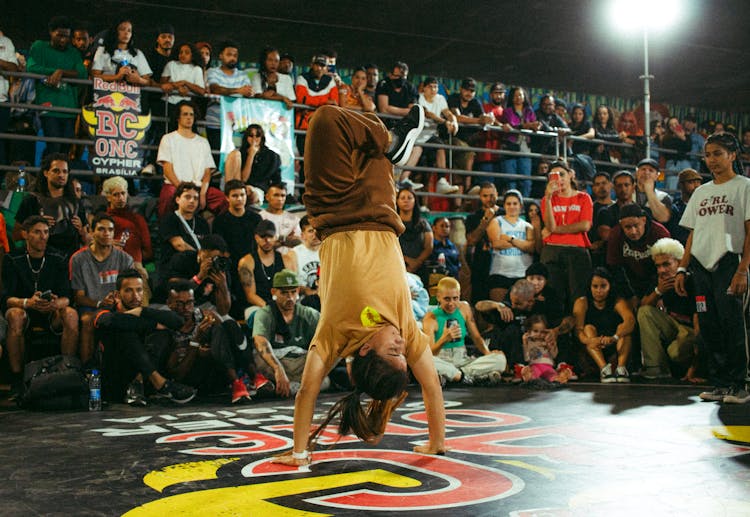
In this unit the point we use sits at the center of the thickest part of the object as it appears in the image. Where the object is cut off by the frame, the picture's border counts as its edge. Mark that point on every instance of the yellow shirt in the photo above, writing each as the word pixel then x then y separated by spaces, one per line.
pixel 362 288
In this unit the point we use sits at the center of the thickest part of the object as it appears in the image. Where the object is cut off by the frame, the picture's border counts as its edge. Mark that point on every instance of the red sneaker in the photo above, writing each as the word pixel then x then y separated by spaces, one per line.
pixel 239 392
pixel 264 386
pixel 517 369
pixel 565 366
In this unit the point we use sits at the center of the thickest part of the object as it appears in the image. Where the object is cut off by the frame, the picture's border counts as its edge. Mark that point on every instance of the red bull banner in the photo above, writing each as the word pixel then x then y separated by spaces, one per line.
pixel 278 126
pixel 115 122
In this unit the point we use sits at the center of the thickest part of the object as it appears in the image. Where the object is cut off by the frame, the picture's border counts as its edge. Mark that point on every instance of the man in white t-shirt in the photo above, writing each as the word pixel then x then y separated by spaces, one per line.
pixel 186 157
pixel 8 62
pixel 436 113
pixel 287 224
pixel 307 258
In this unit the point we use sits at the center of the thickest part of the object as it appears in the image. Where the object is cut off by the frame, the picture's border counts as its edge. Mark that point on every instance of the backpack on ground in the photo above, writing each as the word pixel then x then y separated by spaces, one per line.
pixel 55 382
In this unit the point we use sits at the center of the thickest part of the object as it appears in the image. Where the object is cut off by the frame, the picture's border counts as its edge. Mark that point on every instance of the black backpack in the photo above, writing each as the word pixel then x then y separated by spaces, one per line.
pixel 55 382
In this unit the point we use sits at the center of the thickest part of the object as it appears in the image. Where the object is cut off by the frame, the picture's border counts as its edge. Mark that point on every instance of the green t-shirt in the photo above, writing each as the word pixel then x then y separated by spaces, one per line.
pixel 301 329
pixel 43 59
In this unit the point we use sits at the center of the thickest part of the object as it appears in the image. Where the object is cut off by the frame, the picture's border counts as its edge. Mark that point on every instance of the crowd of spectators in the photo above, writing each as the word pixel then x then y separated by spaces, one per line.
pixel 549 284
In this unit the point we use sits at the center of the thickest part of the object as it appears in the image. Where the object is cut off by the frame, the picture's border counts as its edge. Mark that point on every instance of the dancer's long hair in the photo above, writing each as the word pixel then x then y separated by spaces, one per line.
pixel 386 385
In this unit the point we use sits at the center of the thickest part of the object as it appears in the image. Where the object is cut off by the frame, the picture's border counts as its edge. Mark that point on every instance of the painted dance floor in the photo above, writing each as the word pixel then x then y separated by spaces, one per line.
pixel 586 450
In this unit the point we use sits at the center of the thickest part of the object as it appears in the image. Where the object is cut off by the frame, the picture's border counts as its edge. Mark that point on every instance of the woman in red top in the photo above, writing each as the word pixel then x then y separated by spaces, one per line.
pixel 567 214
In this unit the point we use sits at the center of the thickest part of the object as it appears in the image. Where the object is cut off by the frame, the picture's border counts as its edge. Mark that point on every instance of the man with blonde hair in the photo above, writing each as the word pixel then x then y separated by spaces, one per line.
pixel 668 337
pixel 447 327
pixel 131 231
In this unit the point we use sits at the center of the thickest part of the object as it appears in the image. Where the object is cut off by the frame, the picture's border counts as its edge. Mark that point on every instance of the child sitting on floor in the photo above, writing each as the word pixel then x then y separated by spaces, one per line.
pixel 540 350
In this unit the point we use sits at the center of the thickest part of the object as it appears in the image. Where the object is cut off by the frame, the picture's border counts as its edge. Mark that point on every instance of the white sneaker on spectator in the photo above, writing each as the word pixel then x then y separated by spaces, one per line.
pixel 622 374
pixel 148 170
pixel 407 183
pixel 474 191
pixel 606 375
pixel 443 187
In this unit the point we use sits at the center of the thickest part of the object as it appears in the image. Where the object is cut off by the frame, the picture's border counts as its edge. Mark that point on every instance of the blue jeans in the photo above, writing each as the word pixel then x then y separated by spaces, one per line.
pixel 490 167
pixel 58 127
pixel 672 171
pixel 518 165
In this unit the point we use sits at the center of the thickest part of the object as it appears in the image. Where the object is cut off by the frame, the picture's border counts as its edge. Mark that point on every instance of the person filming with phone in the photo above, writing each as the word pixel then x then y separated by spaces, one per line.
pixel 36 295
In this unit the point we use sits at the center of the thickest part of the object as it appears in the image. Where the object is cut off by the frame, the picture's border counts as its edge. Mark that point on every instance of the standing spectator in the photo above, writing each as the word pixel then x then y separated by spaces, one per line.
pixel 549 121
pixel 83 41
pixel 314 88
pixel 9 63
pixel 119 60
pixel 182 78
pixel 604 129
pixel 131 231
pixel 306 257
pixel 581 127
pixel 438 118
pixel 55 199
pixel 656 203
pixel 158 56
pixel 696 141
pixel 268 83
pixel 224 79
pixel 355 97
pixel 93 273
pixel 688 181
pixel 469 113
pixel 442 245
pixel 186 157
pixel 479 247
pixel 667 322
pixel 518 115
pixel 676 139
pixel 416 241
pixel 287 224
pixel 373 77
pixel 624 184
pixel 561 110
pixel 601 188
pixel 27 274
pixel 605 324
pixel 286 65
pixel 492 139
pixel 567 214
pixel 254 164
pixel 717 253
pixel 182 229
pixel 512 241
pixel 57 60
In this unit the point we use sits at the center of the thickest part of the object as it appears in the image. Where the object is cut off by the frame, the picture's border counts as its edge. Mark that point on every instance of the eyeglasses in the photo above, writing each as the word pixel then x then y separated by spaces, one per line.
pixel 183 305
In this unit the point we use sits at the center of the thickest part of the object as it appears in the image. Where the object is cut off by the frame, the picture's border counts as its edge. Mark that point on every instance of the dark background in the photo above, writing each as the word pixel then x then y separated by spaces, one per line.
pixel 566 45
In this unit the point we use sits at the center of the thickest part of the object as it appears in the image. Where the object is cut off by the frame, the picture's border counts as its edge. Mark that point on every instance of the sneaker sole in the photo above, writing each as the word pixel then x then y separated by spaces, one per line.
pixel 401 156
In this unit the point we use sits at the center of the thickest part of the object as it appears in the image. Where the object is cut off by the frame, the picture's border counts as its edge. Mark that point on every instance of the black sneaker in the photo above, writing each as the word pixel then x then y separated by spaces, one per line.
pixel 134 395
pixel 176 392
pixel 404 134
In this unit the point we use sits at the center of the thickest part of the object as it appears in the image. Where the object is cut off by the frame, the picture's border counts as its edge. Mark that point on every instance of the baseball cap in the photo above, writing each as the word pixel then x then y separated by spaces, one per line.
pixel 320 60
pixel 285 278
pixel 648 161
pixel 469 84
pixel 265 228
pixel 497 87
pixel 689 175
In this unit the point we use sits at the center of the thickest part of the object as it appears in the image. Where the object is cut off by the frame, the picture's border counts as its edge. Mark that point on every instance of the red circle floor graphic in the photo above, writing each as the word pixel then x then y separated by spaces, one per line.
pixel 587 450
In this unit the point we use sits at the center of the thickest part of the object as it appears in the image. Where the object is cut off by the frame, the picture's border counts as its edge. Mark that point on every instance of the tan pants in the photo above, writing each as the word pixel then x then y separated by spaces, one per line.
pixel 663 339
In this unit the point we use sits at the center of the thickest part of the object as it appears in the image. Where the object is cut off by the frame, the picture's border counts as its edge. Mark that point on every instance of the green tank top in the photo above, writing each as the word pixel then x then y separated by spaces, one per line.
pixel 442 317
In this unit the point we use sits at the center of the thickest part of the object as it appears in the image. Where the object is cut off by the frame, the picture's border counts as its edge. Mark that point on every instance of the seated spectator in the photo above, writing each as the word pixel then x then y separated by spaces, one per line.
pixel 56 59
pixel 306 257
pixel 186 157
pixel 656 203
pixel 628 255
pixel 507 321
pixel 512 241
pixel 282 332
pixel 667 322
pixel 182 77
pixel 479 248
pixel 688 181
pixel 355 97
pixel 447 327
pixel 416 241
pixel 604 129
pixel 36 294
pixel 119 60
pixel 131 231
pixel 609 217
pixel 676 139
pixel 518 115
pixel 604 324
pixel 128 359
pixel 93 274
pixel 9 63
pixel 537 274
pixel 55 200
pixel 442 245
pixel 182 229
pixel 581 127
pixel 254 164
pixel 201 353
pixel 420 298
pixel 286 223
pixel 207 271
pixel 540 353
pixel 373 77
pixel 271 84
pixel 313 88
pixel 257 268
pixel 235 226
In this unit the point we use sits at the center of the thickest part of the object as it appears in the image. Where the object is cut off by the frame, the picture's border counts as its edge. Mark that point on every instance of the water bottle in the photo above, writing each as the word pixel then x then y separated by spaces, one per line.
pixel 95 391
pixel 21 185
pixel 441 267
pixel 124 237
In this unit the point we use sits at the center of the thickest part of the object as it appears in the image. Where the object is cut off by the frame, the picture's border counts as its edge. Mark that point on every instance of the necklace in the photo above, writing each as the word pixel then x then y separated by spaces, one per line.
pixel 35 272
pixel 265 271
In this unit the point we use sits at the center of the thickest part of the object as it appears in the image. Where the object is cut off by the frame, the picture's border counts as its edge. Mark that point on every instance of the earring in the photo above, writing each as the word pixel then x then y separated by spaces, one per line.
pixel 274 297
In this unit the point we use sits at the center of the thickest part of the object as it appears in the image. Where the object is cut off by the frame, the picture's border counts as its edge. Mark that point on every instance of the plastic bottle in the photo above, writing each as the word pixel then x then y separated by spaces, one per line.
pixel 95 391
pixel 21 185
pixel 124 236
pixel 441 267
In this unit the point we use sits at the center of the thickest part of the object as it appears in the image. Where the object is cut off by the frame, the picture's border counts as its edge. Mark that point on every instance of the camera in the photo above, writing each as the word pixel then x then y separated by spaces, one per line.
pixel 220 264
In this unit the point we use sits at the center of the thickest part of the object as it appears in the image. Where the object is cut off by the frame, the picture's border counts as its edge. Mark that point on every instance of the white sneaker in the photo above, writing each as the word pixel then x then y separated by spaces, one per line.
pixel 622 374
pixel 606 376
pixel 443 187
pixel 407 183
pixel 148 170
pixel 474 191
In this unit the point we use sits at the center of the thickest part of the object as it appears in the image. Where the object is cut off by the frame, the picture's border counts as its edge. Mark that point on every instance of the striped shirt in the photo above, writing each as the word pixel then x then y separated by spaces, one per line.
pixel 217 76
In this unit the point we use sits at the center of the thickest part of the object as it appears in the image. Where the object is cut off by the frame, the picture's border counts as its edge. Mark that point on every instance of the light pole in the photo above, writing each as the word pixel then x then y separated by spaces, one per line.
pixel 646 94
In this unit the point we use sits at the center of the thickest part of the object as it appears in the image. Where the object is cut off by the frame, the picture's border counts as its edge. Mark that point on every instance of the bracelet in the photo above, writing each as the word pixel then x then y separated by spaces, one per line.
pixel 301 455
pixel 681 270
pixel 25 302
pixel 197 280
pixel 616 337
pixel 656 290
pixel 98 304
